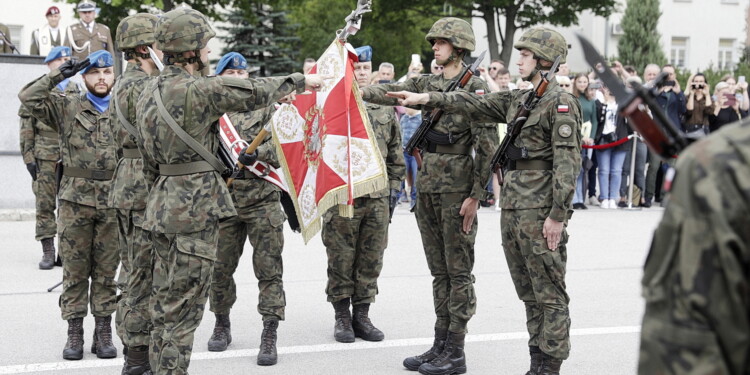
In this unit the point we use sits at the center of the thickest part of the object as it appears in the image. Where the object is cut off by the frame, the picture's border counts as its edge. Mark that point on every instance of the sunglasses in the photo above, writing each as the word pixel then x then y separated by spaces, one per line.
pixel 437 67
pixel 564 85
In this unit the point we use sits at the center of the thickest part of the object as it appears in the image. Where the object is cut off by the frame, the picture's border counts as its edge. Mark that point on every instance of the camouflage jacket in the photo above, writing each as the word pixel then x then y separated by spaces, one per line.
pixel 129 190
pixel 551 133
pixel 387 131
pixel 39 140
pixel 85 137
pixel 696 278
pixel 193 202
pixel 250 191
pixel 448 173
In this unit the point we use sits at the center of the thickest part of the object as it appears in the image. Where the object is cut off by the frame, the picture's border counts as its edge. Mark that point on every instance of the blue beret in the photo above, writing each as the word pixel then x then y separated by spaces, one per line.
pixel 57 52
pixel 231 60
pixel 364 53
pixel 99 59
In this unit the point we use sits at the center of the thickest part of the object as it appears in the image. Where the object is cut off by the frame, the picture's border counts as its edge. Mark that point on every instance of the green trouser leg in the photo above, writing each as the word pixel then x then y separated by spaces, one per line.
pixel 45 191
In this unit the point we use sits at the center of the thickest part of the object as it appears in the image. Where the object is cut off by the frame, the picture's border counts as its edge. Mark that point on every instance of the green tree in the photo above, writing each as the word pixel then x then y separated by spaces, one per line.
pixel 639 44
pixel 265 37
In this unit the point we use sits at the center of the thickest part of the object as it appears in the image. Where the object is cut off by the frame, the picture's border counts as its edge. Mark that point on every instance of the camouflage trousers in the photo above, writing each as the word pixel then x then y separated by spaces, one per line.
pixel 539 277
pixel 133 320
pixel 183 263
pixel 355 250
pixel 88 246
pixel 450 257
pixel 45 191
pixel 263 224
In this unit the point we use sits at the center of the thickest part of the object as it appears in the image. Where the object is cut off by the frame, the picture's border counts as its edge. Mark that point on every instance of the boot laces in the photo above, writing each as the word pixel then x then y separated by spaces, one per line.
pixel 104 333
pixel 219 334
pixel 267 341
pixel 447 351
pixel 344 320
pixel 75 335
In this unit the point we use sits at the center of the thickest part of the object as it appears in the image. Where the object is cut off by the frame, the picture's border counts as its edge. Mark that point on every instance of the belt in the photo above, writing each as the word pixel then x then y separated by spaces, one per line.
pixel 246 175
pixel 185 168
pixel 531 165
pixel 455 149
pixel 48 134
pixel 131 153
pixel 91 174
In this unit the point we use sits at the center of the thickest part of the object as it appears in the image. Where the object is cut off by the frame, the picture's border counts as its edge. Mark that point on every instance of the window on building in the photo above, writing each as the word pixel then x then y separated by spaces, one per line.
pixel 678 53
pixel 726 54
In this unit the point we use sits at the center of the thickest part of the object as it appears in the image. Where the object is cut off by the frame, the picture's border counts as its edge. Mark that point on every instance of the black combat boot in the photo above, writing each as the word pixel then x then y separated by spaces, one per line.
pixel 222 336
pixel 363 326
pixel 102 345
pixel 137 363
pixel 48 254
pixel 550 365
pixel 74 346
pixel 451 361
pixel 343 331
pixel 536 360
pixel 267 353
pixel 413 363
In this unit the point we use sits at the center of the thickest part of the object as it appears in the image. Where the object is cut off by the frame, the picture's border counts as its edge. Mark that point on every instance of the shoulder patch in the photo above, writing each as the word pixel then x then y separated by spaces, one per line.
pixel 565 131
pixel 563 108
pixel 479 92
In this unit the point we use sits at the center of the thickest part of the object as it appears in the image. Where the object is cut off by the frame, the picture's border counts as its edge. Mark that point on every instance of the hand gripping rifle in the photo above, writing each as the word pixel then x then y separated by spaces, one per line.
pixel 507 151
pixel 418 140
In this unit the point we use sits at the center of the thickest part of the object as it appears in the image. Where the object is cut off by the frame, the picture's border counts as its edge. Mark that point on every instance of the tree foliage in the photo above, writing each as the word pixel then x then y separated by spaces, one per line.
pixel 639 44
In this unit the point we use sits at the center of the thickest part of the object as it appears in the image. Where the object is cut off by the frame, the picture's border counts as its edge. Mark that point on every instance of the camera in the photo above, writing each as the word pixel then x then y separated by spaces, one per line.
pixel 698 86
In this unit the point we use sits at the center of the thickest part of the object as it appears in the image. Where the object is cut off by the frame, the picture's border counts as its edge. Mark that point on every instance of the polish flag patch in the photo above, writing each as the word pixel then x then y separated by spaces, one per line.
pixel 562 108
pixel 479 92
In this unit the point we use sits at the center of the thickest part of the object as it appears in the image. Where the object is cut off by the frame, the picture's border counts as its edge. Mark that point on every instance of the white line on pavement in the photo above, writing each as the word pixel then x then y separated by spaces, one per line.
pixel 359 345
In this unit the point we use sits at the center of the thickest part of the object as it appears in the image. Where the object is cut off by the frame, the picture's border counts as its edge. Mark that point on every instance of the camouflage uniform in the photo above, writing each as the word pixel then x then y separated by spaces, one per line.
pixel 40 143
pixel 183 209
pixel 695 280
pixel 87 227
pixel 529 196
pixel 259 219
pixel 355 246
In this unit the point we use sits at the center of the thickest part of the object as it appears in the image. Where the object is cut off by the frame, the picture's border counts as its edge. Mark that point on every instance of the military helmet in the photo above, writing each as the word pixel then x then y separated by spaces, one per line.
pixel 183 30
pixel 455 30
pixel 136 30
pixel 545 43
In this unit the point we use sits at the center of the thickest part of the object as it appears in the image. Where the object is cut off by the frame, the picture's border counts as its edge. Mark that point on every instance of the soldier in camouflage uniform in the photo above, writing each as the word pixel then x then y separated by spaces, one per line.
pixel 696 278
pixel 40 147
pixel 355 246
pixel 450 185
pixel 259 219
pixel 537 193
pixel 135 35
pixel 188 197
pixel 87 227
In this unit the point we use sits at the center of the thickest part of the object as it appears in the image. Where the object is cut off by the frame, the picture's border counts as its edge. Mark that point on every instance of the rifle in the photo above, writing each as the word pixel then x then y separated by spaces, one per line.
pixel 507 151
pixel 418 140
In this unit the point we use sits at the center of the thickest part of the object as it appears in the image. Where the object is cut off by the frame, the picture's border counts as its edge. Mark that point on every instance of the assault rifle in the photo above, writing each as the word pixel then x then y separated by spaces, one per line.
pixel 418 140
pixel 507 151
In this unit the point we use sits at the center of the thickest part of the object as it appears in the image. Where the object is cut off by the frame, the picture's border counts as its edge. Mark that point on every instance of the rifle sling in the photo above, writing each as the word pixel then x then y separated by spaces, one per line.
pixel 186 168
pixel 120 116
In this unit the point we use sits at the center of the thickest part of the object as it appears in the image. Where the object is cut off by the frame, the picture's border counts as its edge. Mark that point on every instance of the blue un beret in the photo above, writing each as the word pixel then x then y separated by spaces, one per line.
pixel 57 52
pixel 364 53
pixel 99 59
pixel 231 60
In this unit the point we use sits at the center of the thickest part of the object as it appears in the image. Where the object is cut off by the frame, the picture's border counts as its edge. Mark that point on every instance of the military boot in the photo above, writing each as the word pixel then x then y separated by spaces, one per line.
pixel 343 331
pixel 550 365
pixel 451 361
pixel 536 360
pixel 48 254
pixel 74 347
pixel 267 353
pixel 363 326
pixel 102 345
pixel 413 363
pixel 222 336
pixel 137 363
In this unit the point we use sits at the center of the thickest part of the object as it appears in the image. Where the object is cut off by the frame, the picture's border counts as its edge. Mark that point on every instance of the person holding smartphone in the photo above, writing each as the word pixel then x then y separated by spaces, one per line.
pixel 727 108
pixel 699 104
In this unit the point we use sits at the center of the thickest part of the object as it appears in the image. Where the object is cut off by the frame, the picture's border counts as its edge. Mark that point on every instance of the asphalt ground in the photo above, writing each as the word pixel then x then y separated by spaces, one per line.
pixel 605 255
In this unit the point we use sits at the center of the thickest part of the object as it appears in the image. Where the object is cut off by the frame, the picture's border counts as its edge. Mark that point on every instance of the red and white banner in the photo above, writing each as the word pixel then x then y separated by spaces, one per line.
pixel 326 145
pixel 232 139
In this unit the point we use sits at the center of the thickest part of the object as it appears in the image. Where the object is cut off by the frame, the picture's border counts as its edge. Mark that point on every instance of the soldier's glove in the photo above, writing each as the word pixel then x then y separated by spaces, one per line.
pixel 32 168
pixel 71 67
pixel 393 201
pixel 247 159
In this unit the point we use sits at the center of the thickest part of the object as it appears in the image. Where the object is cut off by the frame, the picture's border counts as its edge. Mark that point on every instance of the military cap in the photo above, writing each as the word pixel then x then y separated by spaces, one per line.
pixel 183 30
pixel 86 6
pixel 99 59
pixel 52 10
pixel 136 30
pixel 364 53
pixel 231 60
pixel 455 30
pixel 545 43
pixel 57 52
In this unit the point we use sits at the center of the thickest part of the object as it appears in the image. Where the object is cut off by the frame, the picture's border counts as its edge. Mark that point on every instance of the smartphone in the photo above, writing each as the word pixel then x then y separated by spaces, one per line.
pixel 731 99
pixel 415 59
pixel 741 79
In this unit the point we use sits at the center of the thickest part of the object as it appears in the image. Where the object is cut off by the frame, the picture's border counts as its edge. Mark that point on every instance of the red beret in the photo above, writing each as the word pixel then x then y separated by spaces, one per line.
pixel 52 10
